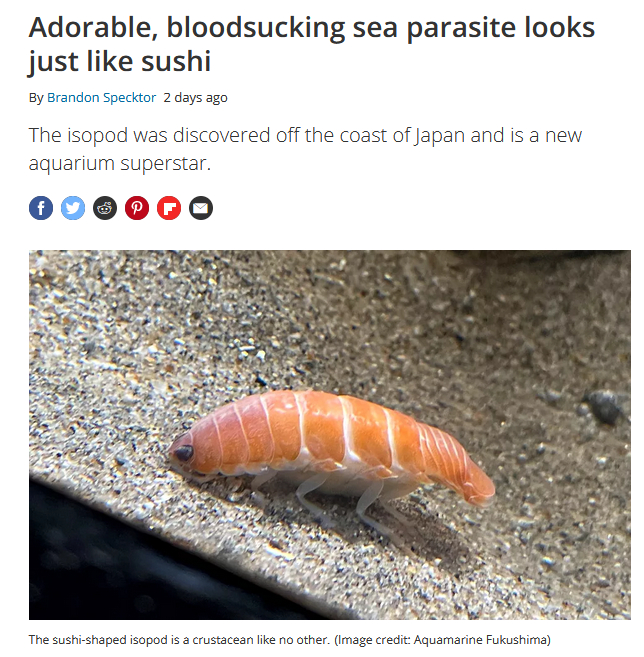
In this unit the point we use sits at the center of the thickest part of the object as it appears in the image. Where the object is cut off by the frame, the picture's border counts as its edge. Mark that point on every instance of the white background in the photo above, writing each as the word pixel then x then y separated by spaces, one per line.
pixel 585 195
pixel 333 194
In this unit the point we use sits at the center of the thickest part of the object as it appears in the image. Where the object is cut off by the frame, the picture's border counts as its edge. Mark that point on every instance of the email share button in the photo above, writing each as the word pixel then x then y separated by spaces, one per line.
pixel 200 207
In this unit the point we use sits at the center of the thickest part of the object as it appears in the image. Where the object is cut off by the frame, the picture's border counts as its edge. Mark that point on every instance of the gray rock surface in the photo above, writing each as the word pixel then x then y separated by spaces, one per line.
pixel 127 349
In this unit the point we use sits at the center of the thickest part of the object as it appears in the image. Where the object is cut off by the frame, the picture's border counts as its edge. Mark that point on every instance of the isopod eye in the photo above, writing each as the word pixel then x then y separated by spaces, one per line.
pixel 184 453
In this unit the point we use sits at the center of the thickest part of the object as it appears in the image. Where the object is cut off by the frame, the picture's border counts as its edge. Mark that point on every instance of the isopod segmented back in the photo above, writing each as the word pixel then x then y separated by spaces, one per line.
pixel 334 444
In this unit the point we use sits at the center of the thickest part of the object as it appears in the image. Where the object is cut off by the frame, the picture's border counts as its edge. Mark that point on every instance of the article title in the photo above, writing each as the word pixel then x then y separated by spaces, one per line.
pixel 292 27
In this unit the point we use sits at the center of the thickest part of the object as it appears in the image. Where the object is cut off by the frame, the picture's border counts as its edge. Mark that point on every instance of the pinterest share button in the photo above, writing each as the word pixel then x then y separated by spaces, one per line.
pixel 137 208
pixel 169 207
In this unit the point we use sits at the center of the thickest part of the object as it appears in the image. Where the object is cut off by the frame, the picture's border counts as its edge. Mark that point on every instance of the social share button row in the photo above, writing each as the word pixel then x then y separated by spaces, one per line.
pixel 105 207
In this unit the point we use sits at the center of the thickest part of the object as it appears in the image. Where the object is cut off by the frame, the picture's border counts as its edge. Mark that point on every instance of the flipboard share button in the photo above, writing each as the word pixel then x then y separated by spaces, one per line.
pixel 169 207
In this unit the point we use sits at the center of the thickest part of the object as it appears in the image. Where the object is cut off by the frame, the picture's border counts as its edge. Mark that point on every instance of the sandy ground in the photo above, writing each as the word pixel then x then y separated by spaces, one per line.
pixel 128 349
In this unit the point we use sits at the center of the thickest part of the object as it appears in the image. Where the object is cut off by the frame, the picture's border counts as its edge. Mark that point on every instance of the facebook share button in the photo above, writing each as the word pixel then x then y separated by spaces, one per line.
pixel 41 207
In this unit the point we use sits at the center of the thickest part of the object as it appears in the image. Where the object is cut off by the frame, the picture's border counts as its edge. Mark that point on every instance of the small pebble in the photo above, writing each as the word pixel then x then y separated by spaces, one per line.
pixel 603 404
pixel 550 396
pixel 583 410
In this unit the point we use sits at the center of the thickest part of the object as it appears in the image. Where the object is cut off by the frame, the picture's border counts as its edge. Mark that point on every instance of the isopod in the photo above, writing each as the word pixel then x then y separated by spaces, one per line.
pixel 338 445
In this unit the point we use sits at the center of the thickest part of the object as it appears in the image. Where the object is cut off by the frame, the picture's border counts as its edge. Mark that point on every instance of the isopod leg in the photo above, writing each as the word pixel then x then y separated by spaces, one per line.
pixel 366 500
pixel 369 497
pixel 306 487
pixel 261 479
pixel 392 495
pixel 398 516
pixel 258 481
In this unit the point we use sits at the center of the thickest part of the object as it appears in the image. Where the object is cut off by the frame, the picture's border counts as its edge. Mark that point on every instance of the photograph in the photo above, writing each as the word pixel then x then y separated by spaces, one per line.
pixel 363 435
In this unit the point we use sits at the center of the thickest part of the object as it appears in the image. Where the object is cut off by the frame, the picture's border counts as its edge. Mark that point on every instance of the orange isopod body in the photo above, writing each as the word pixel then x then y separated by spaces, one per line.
pixel 334 444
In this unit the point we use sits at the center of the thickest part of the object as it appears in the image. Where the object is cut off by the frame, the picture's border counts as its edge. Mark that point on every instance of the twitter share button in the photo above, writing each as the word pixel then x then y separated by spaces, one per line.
pixel 73 207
